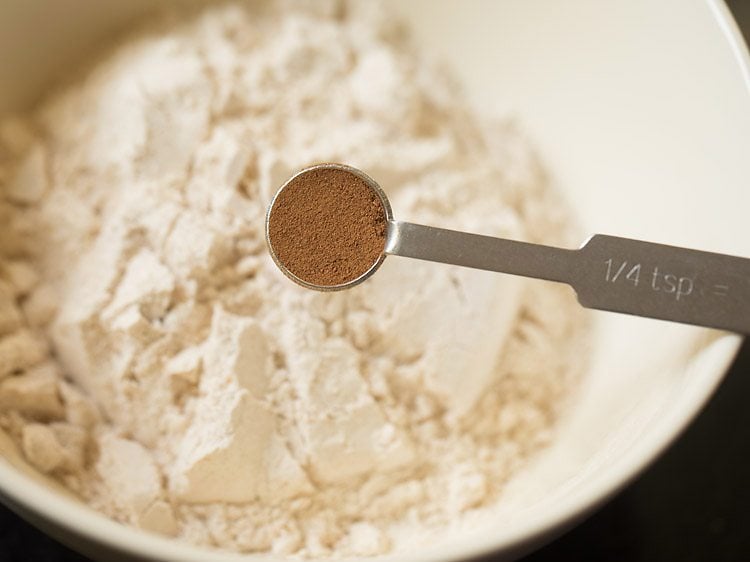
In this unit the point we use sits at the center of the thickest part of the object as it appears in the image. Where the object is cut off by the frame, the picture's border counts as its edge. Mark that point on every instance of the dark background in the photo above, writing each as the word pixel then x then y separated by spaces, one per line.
pixel 692 505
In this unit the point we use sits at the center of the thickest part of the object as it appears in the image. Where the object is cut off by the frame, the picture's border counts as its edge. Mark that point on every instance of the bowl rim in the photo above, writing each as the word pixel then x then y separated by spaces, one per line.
pixel 22 492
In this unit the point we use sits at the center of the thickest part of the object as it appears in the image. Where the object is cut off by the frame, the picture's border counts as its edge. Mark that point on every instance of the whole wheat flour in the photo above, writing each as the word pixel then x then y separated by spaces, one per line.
pixel 153 359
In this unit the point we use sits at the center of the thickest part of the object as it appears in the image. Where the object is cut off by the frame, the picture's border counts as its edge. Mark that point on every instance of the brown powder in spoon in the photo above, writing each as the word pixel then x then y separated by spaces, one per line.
pixel 327 226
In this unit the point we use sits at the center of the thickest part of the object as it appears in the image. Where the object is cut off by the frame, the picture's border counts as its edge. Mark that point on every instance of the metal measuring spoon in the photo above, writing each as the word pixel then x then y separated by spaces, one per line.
pixel 607 273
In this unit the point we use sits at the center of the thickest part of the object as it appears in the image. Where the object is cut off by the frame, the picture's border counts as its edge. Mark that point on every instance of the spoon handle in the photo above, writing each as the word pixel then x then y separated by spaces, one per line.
pixel 607 273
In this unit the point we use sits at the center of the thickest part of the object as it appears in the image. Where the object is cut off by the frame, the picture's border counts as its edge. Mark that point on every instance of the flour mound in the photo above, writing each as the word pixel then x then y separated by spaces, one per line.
pixel 155 361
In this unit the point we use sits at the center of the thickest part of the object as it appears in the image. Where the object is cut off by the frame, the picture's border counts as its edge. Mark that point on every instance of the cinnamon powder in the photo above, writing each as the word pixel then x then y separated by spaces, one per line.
pixel 327 227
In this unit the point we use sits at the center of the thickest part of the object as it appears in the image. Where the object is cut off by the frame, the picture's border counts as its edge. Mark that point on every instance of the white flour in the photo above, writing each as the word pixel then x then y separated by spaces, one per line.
pixel 154 360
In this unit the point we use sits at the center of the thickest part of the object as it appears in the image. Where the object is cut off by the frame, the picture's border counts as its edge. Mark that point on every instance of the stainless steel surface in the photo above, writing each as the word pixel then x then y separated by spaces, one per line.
pixel 607 273
pixel 479 252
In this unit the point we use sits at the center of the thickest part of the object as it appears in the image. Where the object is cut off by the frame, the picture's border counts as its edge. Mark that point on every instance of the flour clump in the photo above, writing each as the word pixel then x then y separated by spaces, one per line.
pixel 155 362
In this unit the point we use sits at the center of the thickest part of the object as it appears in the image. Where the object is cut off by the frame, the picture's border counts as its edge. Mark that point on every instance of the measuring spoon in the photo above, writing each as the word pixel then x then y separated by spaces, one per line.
pixel 607 273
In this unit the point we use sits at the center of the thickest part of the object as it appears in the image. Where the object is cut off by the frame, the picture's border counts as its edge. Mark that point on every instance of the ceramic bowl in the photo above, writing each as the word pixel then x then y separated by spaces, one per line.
pixel 641 112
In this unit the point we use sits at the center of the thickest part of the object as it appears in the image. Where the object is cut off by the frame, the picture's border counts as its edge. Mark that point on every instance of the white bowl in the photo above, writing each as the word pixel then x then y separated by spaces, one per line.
pixel 641 111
